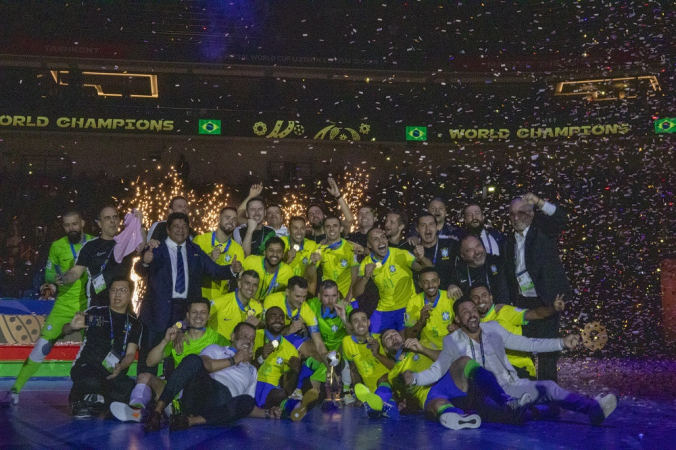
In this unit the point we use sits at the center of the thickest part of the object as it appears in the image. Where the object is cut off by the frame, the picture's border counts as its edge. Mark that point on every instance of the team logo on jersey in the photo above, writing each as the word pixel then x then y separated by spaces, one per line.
pixel 280 360
pixel 305 260
pixel 446 316
pixel 393 269
pixel 49 327
pixel 343 263
pixel 416 357
pixel 444 252
pixel 494 269
pixel 334 328
pixel 227 258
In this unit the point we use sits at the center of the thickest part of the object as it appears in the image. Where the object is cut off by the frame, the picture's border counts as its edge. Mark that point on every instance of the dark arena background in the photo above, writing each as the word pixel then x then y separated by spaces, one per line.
pixel 131 103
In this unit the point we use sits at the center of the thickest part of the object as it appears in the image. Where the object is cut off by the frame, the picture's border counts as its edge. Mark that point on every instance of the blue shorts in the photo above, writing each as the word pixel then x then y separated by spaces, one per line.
pixel 444 388
pixel 295 340
pixel 385 320
pixel 263 389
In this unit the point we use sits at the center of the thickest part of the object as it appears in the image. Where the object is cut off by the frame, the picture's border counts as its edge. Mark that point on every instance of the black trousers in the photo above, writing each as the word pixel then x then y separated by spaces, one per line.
pixel 91 379
pixel 151 338
pixel 545 329
pixel 204 396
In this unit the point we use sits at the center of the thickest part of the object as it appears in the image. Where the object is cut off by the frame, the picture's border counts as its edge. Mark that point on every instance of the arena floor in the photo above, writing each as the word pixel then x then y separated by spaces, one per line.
pixel 645 421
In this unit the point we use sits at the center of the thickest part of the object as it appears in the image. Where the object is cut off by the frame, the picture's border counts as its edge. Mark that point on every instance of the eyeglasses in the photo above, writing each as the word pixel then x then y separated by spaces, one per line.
pixel 518 214
pixel 120 290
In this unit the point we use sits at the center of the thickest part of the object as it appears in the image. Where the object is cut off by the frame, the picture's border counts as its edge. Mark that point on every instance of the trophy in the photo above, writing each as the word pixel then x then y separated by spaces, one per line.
pixel 333 383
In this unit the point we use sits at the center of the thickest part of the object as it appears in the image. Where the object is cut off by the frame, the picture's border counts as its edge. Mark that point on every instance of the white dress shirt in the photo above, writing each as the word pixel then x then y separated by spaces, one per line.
pixel 239 379
pixel 520 250
pixel 490 244
pixel 173 256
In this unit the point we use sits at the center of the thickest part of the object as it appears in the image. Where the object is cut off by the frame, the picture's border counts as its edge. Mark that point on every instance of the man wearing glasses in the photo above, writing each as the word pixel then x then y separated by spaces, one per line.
pixel 535 274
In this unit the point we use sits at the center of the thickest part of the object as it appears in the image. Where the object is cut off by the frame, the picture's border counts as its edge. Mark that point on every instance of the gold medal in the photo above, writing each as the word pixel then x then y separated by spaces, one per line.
pixel 251 312
pixel 275 344
pixel 179 325
pixel 296 247
pixel 379 265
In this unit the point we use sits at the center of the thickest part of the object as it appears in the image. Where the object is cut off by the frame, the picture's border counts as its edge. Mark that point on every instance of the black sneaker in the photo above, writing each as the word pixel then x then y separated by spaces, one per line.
pixel 81 410
pixel 179 422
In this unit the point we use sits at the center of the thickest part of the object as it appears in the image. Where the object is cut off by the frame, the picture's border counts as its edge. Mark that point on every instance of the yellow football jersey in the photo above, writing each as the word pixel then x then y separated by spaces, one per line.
pixel 393 277
pixel 337 262
pixel 305 311
pixel 229 249
pixel 277 363
pixel 369 367
pixel 441 316
pixel 227 311
pixel 269 282
pixel 302 259
pixel 512 318
pixel 415 362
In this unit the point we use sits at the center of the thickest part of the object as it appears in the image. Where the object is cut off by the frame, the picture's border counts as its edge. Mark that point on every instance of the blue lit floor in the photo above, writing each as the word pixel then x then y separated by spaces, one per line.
pixel 42 420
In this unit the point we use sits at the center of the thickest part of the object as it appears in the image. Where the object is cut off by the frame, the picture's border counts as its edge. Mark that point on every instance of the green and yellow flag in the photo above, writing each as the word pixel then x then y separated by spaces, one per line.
pixel 416 133
pixel 209 126
pixel 665 125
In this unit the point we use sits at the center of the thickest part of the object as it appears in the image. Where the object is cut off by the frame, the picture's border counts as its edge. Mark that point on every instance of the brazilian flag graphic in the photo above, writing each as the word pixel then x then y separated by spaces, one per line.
pixel 665 125
pixel 416 133
pixel 209 126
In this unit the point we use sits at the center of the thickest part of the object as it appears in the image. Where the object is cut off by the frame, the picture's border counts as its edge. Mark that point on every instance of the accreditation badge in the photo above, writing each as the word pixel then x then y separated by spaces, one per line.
pixel 99 283
pixel 111 359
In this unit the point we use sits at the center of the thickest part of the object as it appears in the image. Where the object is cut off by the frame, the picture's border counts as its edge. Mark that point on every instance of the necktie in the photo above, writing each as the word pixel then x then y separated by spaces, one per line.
pixel 180 271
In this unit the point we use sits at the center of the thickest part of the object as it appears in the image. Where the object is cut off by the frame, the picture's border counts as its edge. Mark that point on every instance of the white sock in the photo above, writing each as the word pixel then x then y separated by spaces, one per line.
pixel 40 350
pixel 141 395
pixel 346 376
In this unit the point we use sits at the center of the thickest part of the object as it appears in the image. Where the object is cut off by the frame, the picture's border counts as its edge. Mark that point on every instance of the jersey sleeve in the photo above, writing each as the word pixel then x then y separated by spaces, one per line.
pixel 405 258
pixel 514 315
pixel 309 318
pixel 362 265
pixel 347 342
pixel 135 334
pixel 52 262
pixel 85 255
pixel 412 314
pixel 222 341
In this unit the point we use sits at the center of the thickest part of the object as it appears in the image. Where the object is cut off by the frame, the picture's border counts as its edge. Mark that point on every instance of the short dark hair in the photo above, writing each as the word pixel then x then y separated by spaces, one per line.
pixel 296 281
pixel 477 286
pixel 468 237
pixel 333 217
pixel 255 199
pixel 328 284
pixel 252 273
pixel 107 206
pixel 199 300
pixel 173 199
pixel 356 311
pixel 427 270
pixel 471 204
pixel 227 208
pixel 307 210
pixel 242 324
pixel 275 240
pixel 403 217
pixel 125 279
pixel 71 212
pixel 425 214
pixel 295 218
pixel 369 206
pixel 368 233
pixel 458 302
pixel 177 216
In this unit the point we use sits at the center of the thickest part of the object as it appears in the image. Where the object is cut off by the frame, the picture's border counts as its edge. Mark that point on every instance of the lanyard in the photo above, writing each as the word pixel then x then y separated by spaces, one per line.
pixel 488 240
pixel 126 332
pixel 288 310
pixel 72 248
pixel 398 355
pixel 272 282
pixel 436 249
pixel 334 246
pixel 361 343
pixel 481 345
pixel 384 259
pixel 302 244
pixel 241 307
pixel 436 300
pixel 327 314
pixel 488 283
pixel 214 240
pixel 105 263
pixel 271 338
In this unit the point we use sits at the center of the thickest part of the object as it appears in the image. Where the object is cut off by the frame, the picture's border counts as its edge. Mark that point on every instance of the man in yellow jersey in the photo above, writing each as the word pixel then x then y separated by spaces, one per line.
pixel 391 270
pixel 429 315
pixel 337 259
pixel 239 306
pixel 512 319
pixel 298 249
pixel 70 299
pixel 198 338
pixel 278 365
pixel 273 272
pixel 222 248
pixel 368 365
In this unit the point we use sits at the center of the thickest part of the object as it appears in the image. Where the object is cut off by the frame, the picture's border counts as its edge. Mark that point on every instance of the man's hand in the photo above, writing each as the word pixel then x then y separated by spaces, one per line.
pixel 147 256
pixel 58 280
pixel 295 364
pixel 571 341
pixel 296 325
pixel 374 345
pixel 291 255
pixel 340 310
pixel 559 303
pixel 368 270
pixel 315 257
pixel 407 377
pixel 413 241
pixel 532 199
pixel 275 412
pixel 499 306
pixel 153 243
pixel 267 349
pixel 425 312
pixel 333 188
pixel 253 320
pixel 236 266
pixel 171 333
pixel 139 215
pixel 251 225
pixel 78 321
pixel 357 249
pixel 419 252
pixel 453 292
pixel 215 253
pixel 179 340
pixel 244 355
pixel 116 371
pixel 255 190
pixel 452 327
pixel 413 344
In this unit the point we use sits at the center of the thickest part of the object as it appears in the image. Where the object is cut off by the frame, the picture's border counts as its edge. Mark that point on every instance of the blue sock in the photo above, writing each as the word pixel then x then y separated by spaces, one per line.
pixel 288 405
pixel 384 391
pixel 486 382
pixel 305 373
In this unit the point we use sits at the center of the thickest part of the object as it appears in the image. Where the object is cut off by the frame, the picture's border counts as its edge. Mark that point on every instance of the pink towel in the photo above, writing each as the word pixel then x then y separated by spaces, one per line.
pixel 129 239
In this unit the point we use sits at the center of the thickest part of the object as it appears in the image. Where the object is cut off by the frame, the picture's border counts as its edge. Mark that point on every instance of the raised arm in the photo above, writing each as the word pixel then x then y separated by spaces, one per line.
pixel 254 191
pixel 344 208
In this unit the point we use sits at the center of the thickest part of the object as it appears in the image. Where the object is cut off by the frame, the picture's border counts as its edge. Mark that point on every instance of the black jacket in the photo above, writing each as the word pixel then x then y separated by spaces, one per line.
pixel 491 274
pixel 542 257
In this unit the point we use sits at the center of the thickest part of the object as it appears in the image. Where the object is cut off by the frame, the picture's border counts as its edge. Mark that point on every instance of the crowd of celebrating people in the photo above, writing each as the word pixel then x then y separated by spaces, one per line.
pixel 269 317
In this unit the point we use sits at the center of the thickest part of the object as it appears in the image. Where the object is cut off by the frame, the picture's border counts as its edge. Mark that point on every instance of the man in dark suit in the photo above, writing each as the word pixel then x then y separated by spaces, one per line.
pixel 535 274
pixel 173 271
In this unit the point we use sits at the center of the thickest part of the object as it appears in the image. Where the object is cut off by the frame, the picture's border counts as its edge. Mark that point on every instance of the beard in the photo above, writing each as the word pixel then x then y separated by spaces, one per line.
pixel 475 230
pixel 226 231
pixel 74 236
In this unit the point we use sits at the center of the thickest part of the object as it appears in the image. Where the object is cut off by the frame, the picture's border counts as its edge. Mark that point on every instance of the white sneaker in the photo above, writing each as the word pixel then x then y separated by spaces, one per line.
pixel 297 395
pixel 9 398
pixel 607 402
pixel 126 413
pixel 348 399
pixel 455 421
